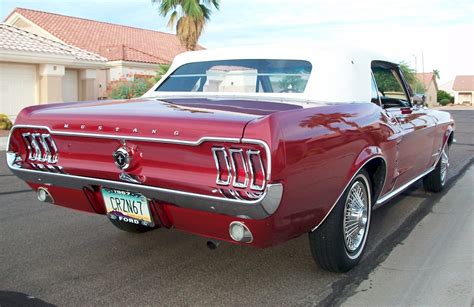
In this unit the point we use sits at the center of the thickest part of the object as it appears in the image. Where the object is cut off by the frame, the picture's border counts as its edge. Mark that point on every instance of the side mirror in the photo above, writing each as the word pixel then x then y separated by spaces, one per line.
pixel 418 100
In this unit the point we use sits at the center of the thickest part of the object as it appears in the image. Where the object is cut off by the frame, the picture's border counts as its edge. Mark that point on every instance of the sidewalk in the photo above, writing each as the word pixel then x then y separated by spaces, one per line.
pixel 454 108
pixel 3 139
pixel 434 264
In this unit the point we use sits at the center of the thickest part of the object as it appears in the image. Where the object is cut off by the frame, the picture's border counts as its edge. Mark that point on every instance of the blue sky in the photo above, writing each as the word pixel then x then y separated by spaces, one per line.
pixel 442 30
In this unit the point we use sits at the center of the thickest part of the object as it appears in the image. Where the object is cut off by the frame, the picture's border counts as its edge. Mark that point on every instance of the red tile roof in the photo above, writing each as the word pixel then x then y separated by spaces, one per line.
pixel 425 78
pixel 13 38
pixel 112 41
pixel 464 84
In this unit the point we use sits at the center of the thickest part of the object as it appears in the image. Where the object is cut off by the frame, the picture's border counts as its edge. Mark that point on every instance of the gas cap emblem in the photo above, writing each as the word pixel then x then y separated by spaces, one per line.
pixel 122 158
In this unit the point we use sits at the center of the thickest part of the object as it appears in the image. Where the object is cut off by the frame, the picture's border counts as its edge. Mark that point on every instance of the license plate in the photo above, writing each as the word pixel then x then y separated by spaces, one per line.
pixel 127 206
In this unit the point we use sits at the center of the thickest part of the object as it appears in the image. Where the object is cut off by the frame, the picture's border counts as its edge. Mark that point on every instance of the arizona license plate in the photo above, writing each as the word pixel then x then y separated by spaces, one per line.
pixel 127 206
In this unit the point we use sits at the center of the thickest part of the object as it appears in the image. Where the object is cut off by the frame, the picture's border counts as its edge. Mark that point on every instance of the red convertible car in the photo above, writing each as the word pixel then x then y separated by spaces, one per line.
pixel 249 146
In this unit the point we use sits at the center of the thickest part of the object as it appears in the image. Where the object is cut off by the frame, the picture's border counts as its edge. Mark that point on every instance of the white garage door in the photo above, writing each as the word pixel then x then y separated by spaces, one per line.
pixel 465 98
pixel 18 88
pixel 70 86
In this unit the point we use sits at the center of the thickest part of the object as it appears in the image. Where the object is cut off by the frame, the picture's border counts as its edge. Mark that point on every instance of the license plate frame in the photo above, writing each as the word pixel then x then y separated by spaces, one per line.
pixel 126 206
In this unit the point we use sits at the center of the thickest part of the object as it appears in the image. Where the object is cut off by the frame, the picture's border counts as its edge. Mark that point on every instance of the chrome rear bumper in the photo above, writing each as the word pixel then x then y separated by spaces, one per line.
pixel 259 208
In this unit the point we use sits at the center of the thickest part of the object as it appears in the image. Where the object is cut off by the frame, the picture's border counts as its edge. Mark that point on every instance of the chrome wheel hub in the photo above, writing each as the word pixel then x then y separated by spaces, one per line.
pixel 355 216
pixel 444 165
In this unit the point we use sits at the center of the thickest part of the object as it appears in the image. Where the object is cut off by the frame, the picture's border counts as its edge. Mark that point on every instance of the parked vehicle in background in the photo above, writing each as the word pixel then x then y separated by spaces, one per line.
pixel 249 146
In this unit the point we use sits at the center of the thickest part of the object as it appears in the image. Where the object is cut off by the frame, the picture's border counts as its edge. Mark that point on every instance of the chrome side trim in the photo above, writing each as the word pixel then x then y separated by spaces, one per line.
pixel 347 185
pixel 150 139
pixel 393 193
pixel 240 153
pixel 383 199
pixel 259 208
pixel 215 150
pixel 254 186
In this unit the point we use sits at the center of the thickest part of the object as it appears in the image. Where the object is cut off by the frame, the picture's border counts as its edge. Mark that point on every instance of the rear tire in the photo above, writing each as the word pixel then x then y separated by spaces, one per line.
pixel 436 180
pixel 129 227
pixel 337 245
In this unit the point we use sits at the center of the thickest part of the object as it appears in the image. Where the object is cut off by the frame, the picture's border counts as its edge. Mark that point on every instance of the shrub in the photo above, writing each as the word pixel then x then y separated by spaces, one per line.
pixel 126 89
pixel 443 96
pixel 5 123
pixel 444 101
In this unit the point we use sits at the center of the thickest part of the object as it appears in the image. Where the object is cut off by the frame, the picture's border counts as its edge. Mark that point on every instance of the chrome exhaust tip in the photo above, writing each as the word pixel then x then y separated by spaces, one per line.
pixel 43 195
pixel 239 232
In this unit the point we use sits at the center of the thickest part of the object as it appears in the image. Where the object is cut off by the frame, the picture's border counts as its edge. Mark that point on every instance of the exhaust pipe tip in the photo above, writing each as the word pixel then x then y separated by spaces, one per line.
pixel 239 232
pixel 212 244
pixel 43 195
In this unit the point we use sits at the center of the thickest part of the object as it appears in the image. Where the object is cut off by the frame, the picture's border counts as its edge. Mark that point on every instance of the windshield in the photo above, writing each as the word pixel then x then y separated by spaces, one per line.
pixel 240 76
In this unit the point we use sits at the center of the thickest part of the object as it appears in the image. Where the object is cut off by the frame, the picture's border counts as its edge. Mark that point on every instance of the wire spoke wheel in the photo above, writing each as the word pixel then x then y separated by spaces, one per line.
pixel 356 217
pixel 444 165
pixel 337 244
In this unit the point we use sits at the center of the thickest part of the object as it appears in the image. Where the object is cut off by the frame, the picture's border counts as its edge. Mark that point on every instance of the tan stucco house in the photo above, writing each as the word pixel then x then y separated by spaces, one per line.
pixel 463 90
pixel 430 86
pixel 35 69
pixel 129 51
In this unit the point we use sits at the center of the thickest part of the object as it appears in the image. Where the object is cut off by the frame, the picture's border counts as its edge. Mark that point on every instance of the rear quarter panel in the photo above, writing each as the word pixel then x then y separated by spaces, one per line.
pixel 315 153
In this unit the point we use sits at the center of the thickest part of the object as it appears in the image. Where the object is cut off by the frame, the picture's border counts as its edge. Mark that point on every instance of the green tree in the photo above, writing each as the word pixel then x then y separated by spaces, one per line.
pixel 387 83
pixel 161 71
pixel 409 73
pixel 190 17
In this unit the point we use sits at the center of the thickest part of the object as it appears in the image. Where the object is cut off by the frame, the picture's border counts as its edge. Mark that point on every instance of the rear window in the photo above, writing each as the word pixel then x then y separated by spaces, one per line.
pixel 240 76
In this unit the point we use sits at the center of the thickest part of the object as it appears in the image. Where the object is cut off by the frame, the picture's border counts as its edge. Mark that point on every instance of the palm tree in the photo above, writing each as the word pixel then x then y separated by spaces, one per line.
pixel 161 71
pixel 190 17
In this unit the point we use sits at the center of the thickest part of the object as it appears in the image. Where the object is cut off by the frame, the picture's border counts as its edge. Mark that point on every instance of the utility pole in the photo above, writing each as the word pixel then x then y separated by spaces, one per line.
pixel 423 68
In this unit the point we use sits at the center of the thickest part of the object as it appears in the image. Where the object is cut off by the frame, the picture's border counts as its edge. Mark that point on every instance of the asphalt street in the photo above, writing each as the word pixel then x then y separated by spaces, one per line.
pixel 53 255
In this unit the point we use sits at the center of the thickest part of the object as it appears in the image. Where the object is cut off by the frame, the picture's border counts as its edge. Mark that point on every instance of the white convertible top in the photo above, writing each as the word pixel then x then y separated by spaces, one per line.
pixel 339 74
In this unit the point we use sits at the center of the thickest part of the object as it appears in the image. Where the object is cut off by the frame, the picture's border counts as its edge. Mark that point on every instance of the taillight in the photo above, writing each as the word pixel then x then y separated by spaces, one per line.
pixel 257 171
pixel 40 147
pixel 222 165
pixel 241 168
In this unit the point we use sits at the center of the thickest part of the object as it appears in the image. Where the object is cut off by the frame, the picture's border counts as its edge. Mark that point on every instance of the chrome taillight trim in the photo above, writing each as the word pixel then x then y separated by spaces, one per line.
pixel 45 153
pixel 215 150
pixel 41 147
pixel 26 138
pixel 36 148
pixel 235 194
pixel 235 183
pixel 51 147
pixel 248 164
pixel 253 185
